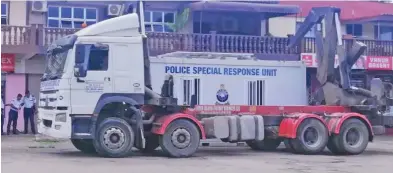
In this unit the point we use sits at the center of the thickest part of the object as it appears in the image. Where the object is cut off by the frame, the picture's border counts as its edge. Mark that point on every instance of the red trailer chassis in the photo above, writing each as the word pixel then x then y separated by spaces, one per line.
pixel 287 119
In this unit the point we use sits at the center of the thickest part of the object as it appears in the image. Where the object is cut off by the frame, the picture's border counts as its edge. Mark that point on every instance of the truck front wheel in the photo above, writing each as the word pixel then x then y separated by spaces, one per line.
pixel 181 139
pixel 114 138
pixel 84 145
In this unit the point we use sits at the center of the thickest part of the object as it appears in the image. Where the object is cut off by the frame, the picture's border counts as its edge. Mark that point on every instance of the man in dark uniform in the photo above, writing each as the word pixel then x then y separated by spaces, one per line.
pixel 15 104
pixel 28 111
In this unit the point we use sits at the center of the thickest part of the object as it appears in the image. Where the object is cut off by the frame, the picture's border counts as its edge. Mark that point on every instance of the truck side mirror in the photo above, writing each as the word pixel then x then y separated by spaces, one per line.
pixel 80 70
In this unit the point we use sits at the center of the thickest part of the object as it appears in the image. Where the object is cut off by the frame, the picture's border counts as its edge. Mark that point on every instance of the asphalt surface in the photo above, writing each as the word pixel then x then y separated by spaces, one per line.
pixel 23 154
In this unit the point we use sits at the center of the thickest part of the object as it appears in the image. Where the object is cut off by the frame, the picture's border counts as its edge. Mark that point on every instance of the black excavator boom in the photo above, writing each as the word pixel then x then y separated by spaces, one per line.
pixel 335 81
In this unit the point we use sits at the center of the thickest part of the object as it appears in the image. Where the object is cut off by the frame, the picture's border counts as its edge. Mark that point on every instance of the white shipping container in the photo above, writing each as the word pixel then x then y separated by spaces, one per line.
pixel 232 79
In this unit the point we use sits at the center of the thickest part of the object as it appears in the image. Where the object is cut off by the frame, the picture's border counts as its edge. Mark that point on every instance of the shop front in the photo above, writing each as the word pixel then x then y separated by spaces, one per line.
pixel 19 74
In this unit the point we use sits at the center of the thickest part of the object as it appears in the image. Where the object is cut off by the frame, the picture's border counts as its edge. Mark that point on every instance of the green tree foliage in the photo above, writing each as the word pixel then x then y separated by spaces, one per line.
pixel 180 20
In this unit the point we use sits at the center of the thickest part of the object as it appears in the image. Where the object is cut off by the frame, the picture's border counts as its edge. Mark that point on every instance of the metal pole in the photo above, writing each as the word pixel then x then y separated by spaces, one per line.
pixel 142 17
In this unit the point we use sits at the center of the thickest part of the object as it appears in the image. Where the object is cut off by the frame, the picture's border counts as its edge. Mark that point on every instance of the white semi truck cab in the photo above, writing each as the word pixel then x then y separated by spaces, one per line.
pixel 97 65
pixel 97 72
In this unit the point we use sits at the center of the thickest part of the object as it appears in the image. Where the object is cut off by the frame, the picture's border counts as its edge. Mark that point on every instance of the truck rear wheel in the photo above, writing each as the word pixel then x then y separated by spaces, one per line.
pixel 114 138
pixel 352 139
pixel 264 145
pixel 181 139
pixel 84 145
pixel 311 137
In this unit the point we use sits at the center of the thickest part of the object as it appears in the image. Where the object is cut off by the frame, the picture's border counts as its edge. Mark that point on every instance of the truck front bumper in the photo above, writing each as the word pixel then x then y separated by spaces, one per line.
pixel 62 125
pixel 54 123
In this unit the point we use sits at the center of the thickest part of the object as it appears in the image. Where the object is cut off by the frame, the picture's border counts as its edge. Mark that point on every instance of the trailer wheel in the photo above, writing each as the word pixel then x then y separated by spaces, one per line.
pixel 151 144
pixel 84 145
pixel 181 139
pixel 352 139
pixel 311 137
pixel 264 145
pixel 114 138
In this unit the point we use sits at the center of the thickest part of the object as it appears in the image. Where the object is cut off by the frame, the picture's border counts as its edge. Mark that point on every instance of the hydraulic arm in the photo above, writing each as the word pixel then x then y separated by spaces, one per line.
pixel 335 81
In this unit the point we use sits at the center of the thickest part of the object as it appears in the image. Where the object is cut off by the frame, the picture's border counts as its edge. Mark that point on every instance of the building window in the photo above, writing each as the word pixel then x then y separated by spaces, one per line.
pixel 71 17
pixel 4 13
pixel 157 21
pixel 383 32
pixel 256 92
pixel 354 29
pixel 310 33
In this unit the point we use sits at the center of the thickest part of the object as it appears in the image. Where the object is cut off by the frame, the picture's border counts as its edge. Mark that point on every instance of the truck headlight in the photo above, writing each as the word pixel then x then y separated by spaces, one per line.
pixel 62 117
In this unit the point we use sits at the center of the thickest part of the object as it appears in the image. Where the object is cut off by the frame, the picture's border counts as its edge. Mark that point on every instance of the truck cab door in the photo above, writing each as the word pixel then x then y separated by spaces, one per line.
pixel 88 88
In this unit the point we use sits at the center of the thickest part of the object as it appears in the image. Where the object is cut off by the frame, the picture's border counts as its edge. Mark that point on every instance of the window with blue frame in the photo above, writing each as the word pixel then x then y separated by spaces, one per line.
pixel 354 29
pixel 157 21
pixel 71 17
pixel 383 32
pixel 4 13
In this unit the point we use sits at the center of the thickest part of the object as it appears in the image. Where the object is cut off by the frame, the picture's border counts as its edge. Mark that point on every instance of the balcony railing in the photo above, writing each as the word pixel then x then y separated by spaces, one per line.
pixel 160 43
pixel 374 47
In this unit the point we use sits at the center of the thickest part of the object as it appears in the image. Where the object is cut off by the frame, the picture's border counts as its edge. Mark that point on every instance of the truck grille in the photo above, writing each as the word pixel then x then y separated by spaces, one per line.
pixel 48 99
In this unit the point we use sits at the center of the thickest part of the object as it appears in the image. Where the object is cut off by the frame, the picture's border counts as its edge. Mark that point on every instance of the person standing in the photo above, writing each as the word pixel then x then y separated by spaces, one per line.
pixel 2 116
pixel 28 111
pixel 15 104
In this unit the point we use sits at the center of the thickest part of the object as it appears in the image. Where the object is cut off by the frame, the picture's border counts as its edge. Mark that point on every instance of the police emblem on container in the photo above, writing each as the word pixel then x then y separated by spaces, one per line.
pixel 222 96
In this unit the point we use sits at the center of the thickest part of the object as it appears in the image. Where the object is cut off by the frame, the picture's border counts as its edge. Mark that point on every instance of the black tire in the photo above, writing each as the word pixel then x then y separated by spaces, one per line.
pixel 341 146
pixel 151 144
pixel 301 144
pixel 84 145
pixel 185 130
pixel 110 128
pixel 264 145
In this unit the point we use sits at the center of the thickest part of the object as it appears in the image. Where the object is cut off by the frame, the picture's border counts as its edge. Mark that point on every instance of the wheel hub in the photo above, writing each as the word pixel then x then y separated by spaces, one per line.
pixel 181 138
pixel 114 138
pixel 311 136
pixel 353 137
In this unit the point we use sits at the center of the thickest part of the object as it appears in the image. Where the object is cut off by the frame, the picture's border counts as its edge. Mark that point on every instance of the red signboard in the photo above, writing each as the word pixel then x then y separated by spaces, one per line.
pixel 308 60
pixel 7 62
pixel 379 62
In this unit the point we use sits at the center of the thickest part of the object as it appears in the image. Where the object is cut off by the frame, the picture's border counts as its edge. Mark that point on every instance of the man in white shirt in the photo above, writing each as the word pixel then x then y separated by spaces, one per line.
pixel 16 105
pixel 28 111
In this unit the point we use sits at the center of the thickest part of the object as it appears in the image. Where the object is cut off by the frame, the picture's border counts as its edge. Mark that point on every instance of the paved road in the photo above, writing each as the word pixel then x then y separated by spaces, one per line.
pixel 23 154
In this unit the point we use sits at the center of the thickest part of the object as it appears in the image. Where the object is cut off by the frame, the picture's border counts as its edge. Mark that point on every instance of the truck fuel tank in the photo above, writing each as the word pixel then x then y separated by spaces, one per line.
pixel 235 128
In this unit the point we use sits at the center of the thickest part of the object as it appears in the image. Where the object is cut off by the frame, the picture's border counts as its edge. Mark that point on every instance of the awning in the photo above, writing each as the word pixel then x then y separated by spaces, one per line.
pixel 244 7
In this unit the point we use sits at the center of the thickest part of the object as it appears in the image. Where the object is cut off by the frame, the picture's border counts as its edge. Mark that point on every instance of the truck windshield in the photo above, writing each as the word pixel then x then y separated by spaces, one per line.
pixel 56 57
pixel 55 61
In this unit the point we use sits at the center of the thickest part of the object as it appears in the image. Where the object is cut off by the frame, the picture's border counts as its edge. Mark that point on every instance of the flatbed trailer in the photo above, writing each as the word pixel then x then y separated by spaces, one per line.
pixel 303 129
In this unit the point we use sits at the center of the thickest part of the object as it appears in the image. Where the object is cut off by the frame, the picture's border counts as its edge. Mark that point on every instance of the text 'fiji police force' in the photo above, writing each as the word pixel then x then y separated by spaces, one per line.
pixel 220 71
